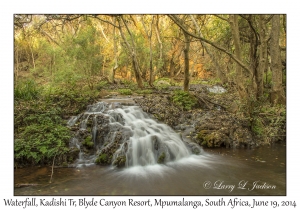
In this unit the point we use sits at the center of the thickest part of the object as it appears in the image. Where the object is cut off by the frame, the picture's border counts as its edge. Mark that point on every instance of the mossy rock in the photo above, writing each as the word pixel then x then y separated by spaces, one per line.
pixel 120 161
pixel 102 159
pixel 73 154
pixel 205 138
pixel 88 143
pixel 161 158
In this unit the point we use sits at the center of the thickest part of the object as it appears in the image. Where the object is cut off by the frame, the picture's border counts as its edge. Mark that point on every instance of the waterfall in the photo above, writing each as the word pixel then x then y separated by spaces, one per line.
pixel 127 136
pixel 150 140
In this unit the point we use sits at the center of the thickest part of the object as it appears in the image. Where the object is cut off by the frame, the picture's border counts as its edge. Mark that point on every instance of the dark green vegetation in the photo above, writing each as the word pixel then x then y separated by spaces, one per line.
pixel 40 130
pixel 184 100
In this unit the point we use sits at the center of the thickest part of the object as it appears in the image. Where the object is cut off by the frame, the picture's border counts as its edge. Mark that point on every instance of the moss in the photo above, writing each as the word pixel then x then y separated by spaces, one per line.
pixel 161 158
pixel 88 143
pixel 210 139
pixel 120 161
pixel 102 159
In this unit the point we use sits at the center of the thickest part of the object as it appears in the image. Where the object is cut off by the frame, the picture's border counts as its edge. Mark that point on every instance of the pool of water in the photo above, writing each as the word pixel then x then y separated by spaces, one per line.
pixel 260 171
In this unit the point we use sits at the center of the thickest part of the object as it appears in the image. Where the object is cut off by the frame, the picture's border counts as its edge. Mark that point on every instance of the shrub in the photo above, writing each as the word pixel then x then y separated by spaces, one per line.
pixel 184 99
pixel 101 85
pixel 125 91
pixel 162 83
pixel 39 143
pixel 39 129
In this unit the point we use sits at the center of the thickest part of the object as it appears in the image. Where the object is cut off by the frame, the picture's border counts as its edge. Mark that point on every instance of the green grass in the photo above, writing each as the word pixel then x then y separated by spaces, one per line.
pixel 26 90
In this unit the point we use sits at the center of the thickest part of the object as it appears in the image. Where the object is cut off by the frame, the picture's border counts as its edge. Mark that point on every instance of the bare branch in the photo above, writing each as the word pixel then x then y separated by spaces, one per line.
pixel 269 18
pixel 222 18
pixel 106 21
pixel 177 21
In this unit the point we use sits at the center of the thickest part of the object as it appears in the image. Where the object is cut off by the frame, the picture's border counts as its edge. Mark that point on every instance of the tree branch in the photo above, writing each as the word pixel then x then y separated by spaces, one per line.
pixel 177 22
pixel 106 21
pixel 222 18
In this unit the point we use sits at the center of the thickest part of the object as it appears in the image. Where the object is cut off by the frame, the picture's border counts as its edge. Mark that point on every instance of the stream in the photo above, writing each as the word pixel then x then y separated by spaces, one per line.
pixel 157 161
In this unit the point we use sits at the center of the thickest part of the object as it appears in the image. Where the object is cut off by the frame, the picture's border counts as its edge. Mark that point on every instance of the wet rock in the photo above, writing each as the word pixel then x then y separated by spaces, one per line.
pixel 73 154
pixel 161 158
pixel 120 161
pixel 155 142
pixel 118 117
pixel 102 159
pixel 105 156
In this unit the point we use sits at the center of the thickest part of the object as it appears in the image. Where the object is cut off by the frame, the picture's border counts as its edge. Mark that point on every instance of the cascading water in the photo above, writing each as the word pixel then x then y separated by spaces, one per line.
pixel 126 136
pixel 151 142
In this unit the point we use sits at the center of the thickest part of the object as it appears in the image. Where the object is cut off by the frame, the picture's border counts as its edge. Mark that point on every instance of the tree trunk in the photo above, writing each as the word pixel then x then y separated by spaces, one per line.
pixel 253 38
pixel 113 72
pixel 133 54
pixel 186 62
pixel 172 66
pixel 160 46
pixel 16 75
pixel 277 93
pixel 263 56
pixel 149 35
pixel 31 51
pixel 237 45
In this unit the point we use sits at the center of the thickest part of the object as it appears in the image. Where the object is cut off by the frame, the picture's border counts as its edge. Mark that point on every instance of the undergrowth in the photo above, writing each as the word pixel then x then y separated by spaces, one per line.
pixel 40 115
pixel 184 100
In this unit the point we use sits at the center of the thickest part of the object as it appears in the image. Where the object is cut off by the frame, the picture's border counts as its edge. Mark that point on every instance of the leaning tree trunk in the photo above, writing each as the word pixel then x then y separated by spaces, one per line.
pixel 186 62
pixel 277 93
